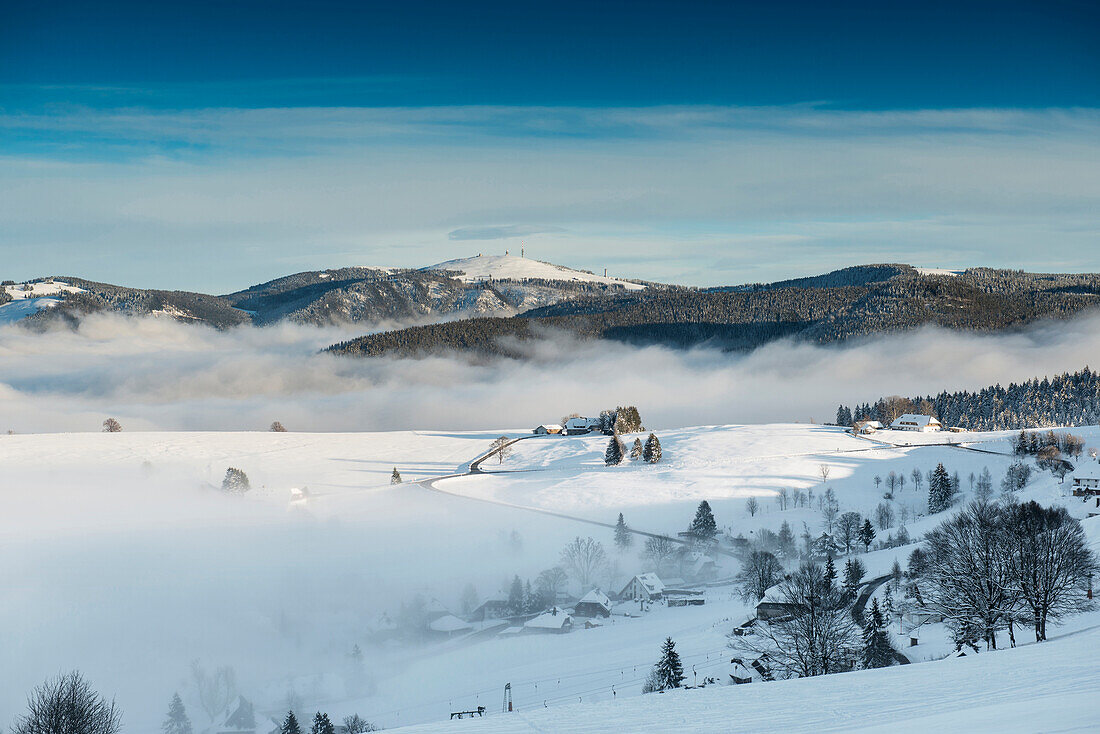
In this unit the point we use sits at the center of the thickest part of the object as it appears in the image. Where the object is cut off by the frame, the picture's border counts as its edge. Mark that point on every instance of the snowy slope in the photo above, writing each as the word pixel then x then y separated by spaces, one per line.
pixel 28 301
pixel 125 534
pixel 512 267
pixel 1046 687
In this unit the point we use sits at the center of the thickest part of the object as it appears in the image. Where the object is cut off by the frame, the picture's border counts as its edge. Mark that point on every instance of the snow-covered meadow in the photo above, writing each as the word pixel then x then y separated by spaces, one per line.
pixel 120 556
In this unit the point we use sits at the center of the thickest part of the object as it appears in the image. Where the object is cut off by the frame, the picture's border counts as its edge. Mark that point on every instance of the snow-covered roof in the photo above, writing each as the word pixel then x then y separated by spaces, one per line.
pixel 913 419
pixel 651 582
pixel 448 623
pixel 595 597
pixel 1087 471
pixel 774 594
pixel 581 422
pixel 553 620
pixel 550 426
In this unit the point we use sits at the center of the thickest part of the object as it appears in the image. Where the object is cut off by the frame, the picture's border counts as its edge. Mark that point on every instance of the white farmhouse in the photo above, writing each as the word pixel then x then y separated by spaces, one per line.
pixel 914 422
pixel 578 425
pixel 644 586
pixel 1086 483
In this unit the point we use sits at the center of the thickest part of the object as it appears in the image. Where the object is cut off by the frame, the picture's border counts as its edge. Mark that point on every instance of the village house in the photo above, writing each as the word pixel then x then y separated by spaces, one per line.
pixel 554 621
pixel 698 566
pixel 749 669
pixel 1086 481
pixel 548 430
pixel 492 609
pixel 773 606
pixel 914 422
pixel 643 587
pixel 240 718
pixel 449 625
pixel 593 604
pixel 866 427
pixel 1086 484
pixel 579 425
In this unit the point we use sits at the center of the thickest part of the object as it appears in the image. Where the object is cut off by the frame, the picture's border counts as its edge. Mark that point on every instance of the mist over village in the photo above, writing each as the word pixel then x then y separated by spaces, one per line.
pixel 598 368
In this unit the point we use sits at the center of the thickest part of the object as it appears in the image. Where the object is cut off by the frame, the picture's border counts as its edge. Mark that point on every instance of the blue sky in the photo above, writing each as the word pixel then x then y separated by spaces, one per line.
pixel 212 145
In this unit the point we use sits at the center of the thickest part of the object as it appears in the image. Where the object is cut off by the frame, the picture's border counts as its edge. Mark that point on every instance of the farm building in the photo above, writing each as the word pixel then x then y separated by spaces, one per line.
pixel 1086 481
pixel 646 586
pixel 699 567
pixel 773 606
pixel 593 604
pixel 548 430
pixel 449 625
pixel 579 425
pixel 492 609
pixel 867 427
pixel 914 422
pixel 555 621
pixel 240 718
pixel 749 669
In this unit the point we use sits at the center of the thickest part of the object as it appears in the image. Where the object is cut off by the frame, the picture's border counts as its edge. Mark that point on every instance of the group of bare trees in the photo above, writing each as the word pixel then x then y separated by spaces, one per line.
pixel 995 566
pixel 68 705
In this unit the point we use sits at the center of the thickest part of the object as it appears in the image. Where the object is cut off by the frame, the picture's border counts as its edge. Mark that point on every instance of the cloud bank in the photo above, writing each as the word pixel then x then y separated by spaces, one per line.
pixel 154 373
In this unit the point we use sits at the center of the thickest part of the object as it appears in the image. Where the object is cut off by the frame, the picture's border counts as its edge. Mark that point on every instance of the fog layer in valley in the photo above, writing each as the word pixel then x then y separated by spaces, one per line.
pixel 159 374
pixel 119 555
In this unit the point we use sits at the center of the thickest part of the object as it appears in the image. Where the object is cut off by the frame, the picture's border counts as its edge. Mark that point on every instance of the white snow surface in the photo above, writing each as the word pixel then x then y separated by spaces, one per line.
pixel 120 557
pixel 513 267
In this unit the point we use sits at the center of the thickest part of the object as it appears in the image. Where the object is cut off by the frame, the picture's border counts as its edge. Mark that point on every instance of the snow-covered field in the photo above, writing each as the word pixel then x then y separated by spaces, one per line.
pixel 119 556
pixel 513 267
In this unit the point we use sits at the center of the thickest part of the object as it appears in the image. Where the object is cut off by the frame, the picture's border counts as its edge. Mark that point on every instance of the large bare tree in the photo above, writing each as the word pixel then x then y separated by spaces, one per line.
pixel 817 636
pixel 68 705
pixel 584 558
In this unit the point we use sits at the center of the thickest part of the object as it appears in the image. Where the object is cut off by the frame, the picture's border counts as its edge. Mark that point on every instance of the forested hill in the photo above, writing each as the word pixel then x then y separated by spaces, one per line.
pixel 1063 400
pixel 848 303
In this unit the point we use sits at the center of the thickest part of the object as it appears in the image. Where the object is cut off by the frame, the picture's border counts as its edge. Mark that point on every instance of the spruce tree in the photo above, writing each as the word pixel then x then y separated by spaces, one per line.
pixel 651 453
pixel 177 721
pixel 877 651
pixel 830 571
pixel 867 535
pixel 623 538
pixel 515 596
pixel 322 725
pixel 615 451
pixel 395 478
pixel 290 724
pixel 939 490
pixel 636 450
pixel 703 526
pixel 669 671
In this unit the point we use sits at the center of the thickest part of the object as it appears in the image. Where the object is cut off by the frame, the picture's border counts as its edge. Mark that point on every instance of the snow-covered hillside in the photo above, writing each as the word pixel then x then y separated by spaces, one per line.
pixel 30 298
pixel 128 534
pixel 1030 689
pixel 512 267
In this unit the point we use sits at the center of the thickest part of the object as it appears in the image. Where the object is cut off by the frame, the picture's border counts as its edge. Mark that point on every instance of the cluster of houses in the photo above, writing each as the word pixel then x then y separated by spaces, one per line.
pixel 906 422
pixel 565 614
pixel 575 426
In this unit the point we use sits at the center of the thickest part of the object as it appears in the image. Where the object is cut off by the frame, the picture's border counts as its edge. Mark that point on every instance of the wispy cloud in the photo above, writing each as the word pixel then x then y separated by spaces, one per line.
pixel 500 232
pixel 764 193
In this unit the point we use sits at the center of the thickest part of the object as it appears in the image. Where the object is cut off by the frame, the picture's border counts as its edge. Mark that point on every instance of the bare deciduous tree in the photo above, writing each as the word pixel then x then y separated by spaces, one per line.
pixel 658 550
pixel 501 448
pixel 824 471
pixel 752 506
pixel 277 427
pixel 68 705
pixel 761 571
pixel 584 557
pixel 215 689
pixel 111 426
